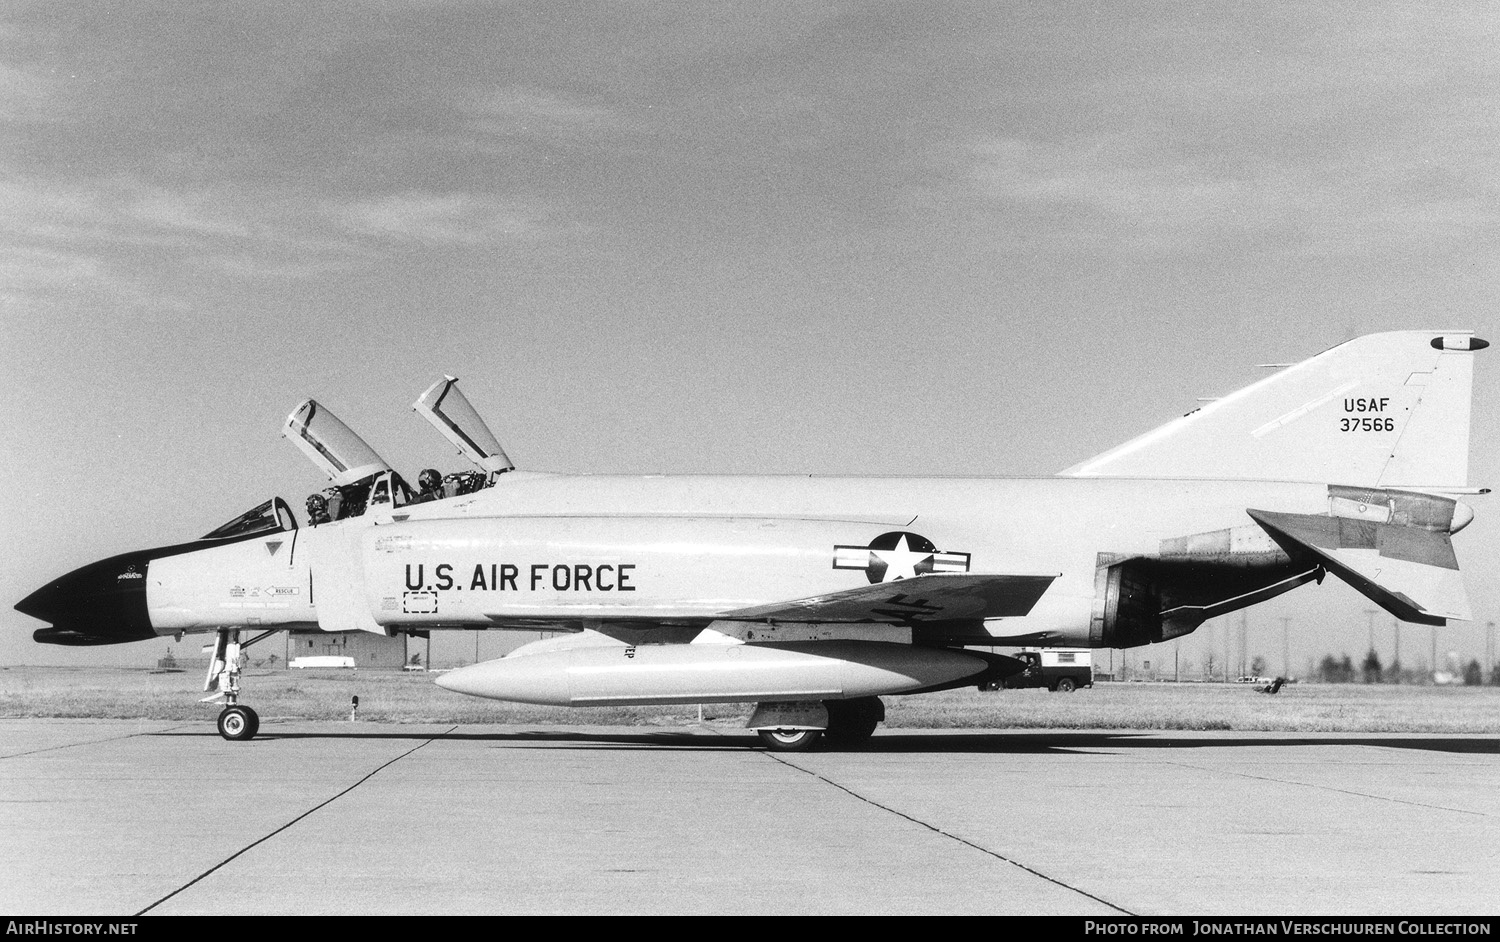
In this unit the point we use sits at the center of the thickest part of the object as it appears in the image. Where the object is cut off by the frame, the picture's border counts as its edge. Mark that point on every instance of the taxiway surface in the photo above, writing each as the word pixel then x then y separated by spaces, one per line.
pixel 130 817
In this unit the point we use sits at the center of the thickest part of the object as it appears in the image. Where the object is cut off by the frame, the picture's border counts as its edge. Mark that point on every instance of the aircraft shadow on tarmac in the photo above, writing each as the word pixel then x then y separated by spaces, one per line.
pixel 948 742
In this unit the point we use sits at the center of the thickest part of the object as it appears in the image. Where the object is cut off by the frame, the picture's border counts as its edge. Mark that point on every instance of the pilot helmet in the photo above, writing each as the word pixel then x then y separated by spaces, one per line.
pixel 429 480
pixel 317 503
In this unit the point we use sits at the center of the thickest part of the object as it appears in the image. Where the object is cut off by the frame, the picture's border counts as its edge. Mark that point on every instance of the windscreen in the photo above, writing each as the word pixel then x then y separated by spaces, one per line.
pixel 270 517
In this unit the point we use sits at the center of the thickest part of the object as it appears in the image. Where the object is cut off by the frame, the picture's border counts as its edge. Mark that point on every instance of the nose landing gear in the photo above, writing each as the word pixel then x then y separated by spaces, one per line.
pixel 236 722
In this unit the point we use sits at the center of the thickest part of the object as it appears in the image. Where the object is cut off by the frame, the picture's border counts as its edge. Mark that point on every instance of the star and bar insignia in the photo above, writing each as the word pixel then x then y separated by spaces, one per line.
pixel 898 555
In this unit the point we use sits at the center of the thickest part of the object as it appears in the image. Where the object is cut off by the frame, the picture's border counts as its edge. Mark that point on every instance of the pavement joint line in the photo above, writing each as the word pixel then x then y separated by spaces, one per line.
pixel 323 804
pixel 91 742
pixel 1329 788
pixel 950 836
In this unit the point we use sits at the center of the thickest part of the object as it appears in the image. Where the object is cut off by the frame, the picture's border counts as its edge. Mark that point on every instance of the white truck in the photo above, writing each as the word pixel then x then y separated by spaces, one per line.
pixel 322 660
pixel 1061 670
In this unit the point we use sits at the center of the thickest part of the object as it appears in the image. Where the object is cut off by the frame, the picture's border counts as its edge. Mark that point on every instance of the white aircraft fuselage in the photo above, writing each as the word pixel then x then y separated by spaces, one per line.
pixel 543 547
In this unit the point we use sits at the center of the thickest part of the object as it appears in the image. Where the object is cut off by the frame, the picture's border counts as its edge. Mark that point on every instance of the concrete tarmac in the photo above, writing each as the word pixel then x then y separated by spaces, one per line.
pixel 117 818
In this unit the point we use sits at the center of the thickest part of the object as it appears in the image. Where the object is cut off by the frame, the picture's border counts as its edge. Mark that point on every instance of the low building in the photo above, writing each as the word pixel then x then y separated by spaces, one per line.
pixel 369 651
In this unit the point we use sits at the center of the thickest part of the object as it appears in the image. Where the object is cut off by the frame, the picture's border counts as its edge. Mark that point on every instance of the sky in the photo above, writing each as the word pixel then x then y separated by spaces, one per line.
pixel 843 238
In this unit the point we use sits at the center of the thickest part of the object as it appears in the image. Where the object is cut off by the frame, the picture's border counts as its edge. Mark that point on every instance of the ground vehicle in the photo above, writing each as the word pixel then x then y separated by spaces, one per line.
pixel 324 660
pixel 1062 671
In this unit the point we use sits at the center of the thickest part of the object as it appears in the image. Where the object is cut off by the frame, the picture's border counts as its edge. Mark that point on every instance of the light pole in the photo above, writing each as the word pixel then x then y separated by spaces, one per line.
pixel 1396 664
pixel 1226 650
pixel 1286 648
pixel 1489 650
pixel 1244 640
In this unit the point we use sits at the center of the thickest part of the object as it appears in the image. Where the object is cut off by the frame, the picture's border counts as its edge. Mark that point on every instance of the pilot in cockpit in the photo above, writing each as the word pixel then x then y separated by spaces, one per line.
pixel 430 486
pixel 317 509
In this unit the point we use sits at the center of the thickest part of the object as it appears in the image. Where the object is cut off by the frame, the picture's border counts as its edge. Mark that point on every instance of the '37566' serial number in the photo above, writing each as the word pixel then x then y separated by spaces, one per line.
pixel 1367 423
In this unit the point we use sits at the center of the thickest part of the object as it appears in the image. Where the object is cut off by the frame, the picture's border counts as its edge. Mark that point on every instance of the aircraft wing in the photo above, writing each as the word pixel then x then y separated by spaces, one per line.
pixel 930 597
pixel 1409 571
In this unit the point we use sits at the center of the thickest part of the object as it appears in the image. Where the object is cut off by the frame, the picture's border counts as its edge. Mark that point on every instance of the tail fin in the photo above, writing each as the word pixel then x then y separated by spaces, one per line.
pixel 1384 410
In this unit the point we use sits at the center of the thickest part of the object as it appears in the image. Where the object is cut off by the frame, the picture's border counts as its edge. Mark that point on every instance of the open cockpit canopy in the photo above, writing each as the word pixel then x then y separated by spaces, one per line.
pixel 452 415
pixel 332 445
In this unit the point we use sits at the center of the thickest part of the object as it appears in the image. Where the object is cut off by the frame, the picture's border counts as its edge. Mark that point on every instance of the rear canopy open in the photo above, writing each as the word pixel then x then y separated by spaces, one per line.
pixel 451 414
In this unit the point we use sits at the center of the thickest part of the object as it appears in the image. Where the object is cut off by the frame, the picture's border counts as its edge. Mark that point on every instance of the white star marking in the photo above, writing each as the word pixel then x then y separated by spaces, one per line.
pixel 901 562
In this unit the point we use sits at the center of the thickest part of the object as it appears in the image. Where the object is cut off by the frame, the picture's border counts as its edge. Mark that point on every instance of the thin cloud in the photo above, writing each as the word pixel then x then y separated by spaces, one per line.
pixel 535 114
pixel 123 237
pixel 117 210
pixel 438 219
pixel 1154 196
pixel 117 236
pixel 30 97
pixel 25 271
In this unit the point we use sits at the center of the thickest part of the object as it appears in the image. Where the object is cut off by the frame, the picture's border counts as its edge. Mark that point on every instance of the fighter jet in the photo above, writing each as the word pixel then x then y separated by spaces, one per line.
pixel 813 597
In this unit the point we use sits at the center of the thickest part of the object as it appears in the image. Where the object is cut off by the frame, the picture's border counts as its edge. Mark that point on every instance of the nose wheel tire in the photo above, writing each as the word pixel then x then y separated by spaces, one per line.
pixel 238 723
pixel 789 740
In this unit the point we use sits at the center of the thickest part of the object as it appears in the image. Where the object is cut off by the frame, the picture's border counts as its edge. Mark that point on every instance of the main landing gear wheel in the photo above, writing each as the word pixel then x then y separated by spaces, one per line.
pixel 1065 685
pixel 789 740
pixel 853 721
pixel 238 723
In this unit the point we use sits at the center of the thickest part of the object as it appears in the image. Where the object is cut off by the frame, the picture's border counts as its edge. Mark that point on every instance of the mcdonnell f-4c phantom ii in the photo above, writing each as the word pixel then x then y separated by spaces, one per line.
pixel 813 597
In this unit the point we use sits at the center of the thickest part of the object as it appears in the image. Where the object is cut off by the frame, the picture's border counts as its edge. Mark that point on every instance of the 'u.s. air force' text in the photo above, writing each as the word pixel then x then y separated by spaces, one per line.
pixel 509 577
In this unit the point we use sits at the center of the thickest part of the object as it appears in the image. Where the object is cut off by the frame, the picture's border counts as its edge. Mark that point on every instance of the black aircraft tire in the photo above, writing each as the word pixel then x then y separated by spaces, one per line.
pixel 254 719
pixel 1065 685
pixel 238 723
pixel 789 740
pixel 853 721
pixel 852 733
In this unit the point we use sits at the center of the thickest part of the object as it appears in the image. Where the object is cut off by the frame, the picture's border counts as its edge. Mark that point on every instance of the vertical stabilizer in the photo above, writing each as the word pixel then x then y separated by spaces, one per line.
pixel 1384 410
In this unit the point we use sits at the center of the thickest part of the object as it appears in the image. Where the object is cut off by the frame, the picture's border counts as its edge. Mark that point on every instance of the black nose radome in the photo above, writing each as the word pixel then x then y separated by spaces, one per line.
pixel 101 603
